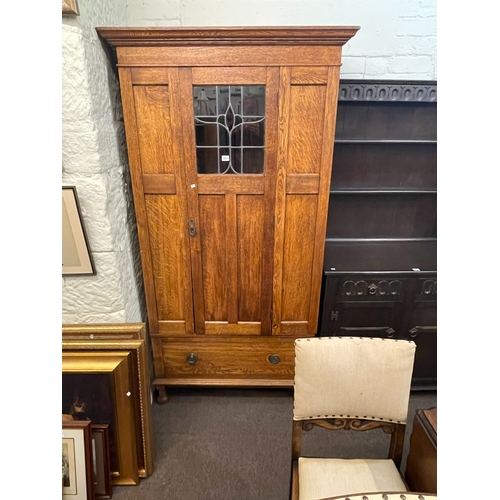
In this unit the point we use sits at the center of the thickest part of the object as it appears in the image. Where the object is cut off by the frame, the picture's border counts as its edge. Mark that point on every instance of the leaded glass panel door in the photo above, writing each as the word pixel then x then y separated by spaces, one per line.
pixel 230 127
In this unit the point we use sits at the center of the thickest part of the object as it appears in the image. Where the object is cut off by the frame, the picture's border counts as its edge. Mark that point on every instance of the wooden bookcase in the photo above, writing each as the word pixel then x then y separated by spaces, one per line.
pixel 380 274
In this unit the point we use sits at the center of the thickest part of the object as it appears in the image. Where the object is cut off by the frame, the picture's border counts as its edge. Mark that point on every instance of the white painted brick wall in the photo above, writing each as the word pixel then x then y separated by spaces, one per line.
pixel 388 28
pixel 94 160
pixel 397 40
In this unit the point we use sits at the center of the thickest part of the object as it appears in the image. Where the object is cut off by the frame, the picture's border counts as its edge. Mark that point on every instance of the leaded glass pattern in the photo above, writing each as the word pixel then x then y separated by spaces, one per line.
pixel 230 128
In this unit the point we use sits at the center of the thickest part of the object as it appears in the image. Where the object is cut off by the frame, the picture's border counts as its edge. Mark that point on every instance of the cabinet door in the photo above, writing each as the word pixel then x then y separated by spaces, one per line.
pixel 423 331
pixel 307 112
pixel 154 140
pixel 229 119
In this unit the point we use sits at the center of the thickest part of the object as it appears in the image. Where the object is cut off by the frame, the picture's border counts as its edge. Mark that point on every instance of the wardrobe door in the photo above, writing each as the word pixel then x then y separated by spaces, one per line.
pixel 307 113
pixel 156 167
pixel 229 129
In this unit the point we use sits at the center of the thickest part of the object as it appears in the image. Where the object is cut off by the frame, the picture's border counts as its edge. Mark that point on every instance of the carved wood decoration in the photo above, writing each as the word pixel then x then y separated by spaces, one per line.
pixel 349 424
pixel 230 139
pixel 354 90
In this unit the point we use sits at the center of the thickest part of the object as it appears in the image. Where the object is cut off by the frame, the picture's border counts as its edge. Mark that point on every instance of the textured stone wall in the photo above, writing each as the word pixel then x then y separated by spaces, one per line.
pixel 397 39
pixel 94 160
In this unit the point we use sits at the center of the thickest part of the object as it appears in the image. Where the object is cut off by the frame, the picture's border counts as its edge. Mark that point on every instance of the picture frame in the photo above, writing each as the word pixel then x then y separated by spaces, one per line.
pixel 77 470
pixel 131 338
pixel 98 387
pixel 100 461
pixel 70 7
pixel 76 256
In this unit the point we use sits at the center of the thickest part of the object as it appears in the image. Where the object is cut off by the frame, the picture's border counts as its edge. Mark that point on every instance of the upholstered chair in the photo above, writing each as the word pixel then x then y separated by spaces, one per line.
pixel 350 383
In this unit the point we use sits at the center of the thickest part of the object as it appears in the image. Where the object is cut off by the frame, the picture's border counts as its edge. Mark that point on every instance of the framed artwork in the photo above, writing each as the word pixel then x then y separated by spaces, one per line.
pixel 77 470
pixel 70 7
pixel 99 387
pixel 100 461
pixel 128 338
pixel 76 257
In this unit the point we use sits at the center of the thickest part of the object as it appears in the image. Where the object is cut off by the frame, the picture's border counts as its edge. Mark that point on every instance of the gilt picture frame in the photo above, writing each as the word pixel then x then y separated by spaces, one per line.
pixel 98 387
pixel 131 338
pixel 70 7
pixel 77 470
pixel 76 256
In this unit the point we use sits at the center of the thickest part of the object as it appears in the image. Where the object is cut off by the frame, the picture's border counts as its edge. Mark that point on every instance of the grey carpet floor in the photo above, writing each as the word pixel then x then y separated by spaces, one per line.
pixel 235 444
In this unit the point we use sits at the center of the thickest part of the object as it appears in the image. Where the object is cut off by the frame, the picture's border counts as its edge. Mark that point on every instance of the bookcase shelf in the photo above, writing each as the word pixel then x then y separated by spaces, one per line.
pixel 380 266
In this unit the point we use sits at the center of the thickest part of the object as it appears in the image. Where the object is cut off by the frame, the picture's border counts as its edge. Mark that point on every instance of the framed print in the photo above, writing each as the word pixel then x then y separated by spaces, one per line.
pixel 100 461
pixel 70 7
pixel 77 470
pixel 131 338
pixel 98 387
pixel 76 257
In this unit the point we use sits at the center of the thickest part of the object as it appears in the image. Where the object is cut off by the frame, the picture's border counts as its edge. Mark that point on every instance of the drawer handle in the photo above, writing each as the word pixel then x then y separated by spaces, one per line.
pixel 192 358
pixel 274 359
pixel 390 332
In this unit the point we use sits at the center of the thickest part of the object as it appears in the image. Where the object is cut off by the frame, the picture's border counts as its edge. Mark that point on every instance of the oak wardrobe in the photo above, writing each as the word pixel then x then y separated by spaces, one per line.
pixel 230 137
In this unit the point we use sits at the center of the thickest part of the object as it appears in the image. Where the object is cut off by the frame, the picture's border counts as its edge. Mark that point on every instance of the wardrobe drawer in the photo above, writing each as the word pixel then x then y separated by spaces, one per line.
pixel 215 358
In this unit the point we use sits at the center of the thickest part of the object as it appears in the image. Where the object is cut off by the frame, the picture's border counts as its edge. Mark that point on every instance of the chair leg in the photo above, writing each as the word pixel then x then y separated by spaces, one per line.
pixel 294 491
pixel 397 444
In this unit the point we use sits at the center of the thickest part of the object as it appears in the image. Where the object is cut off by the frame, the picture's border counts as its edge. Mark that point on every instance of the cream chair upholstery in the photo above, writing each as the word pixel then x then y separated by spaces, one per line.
pixel 353 384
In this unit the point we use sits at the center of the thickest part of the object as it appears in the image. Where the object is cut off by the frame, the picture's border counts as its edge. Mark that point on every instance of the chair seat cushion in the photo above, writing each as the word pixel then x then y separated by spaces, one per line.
pixel 327 477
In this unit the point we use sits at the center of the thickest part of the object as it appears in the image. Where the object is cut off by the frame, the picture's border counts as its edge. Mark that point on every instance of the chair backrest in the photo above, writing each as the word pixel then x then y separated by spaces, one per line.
pixel 353 377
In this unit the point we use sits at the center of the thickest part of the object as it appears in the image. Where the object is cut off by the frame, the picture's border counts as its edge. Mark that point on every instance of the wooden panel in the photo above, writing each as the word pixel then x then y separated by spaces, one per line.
pixel 384 255
pixel 297 328
pixel 280 199
pixel 134 156
pixel 382 216
pixel 228 56
pixel 225 328
pixel 421 466
pixel 309 76
pixel 153 123
pixel 385 166
pixel 231 358
pixel 228 76
pixel 306 128
pixel 183 95
pixel 387 121
pixel 302 184
pixel 300 230
pixel 250 221
pixel 222 184
pixel 149 76
pixel 168 245
pixel 231 252
pixel 171 327
pixel 270 169
pixel 159 184
pixel 213 234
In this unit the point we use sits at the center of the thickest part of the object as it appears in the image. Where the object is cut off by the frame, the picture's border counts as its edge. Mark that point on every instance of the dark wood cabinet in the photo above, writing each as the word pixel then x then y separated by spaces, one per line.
pixel 380 274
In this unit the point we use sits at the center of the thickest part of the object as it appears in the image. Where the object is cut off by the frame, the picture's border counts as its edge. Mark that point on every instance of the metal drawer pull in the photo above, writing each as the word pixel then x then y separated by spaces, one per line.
pixel 390 332
pixel 274 359
pixel 192 358
pixel 414 331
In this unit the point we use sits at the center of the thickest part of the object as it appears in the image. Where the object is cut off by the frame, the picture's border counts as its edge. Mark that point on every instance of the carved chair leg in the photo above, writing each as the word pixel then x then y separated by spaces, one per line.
pixel 162 397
